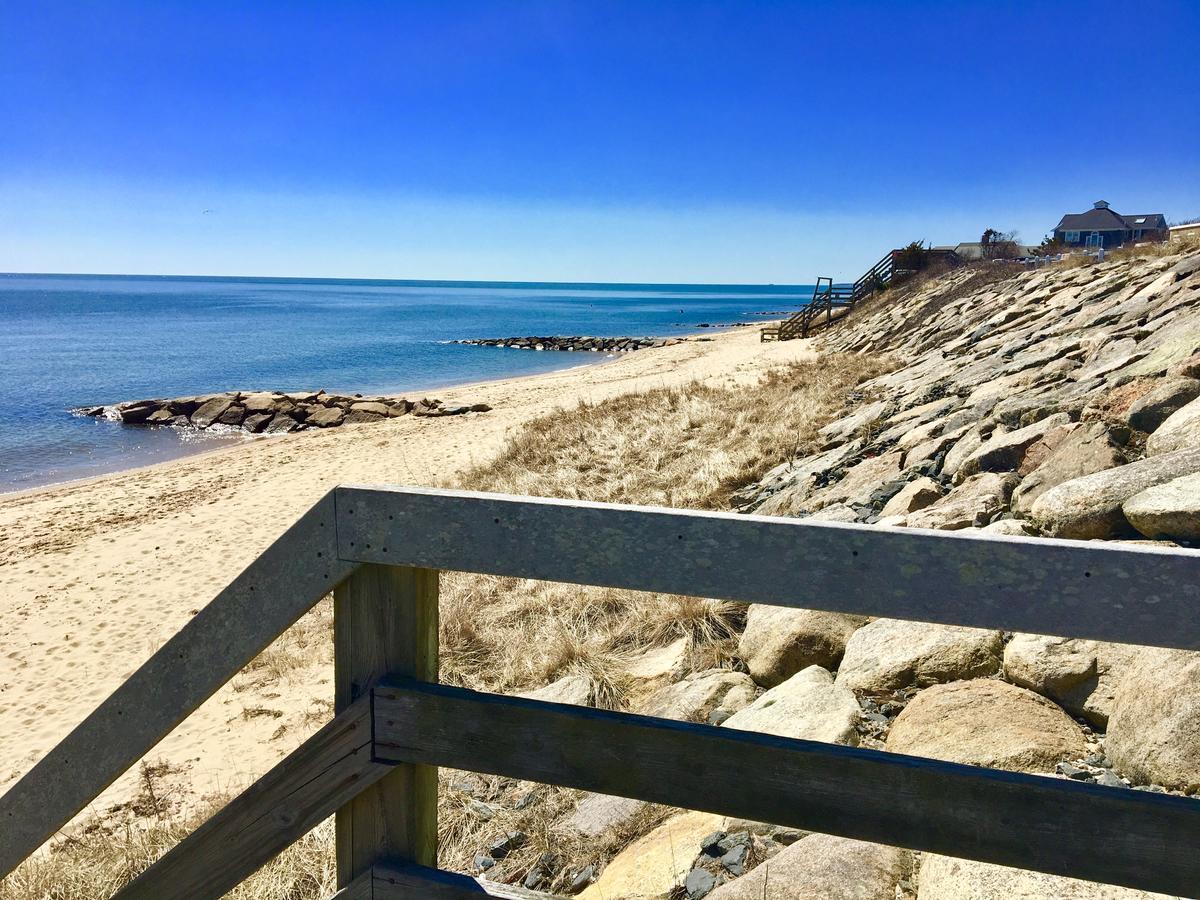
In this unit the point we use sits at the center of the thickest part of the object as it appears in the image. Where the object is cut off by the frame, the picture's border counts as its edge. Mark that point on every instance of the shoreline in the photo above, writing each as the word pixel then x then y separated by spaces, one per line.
pixel 96 573
pixel 247 439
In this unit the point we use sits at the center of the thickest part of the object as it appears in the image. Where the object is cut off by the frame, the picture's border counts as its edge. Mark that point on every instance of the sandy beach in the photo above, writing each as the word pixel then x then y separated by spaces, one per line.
pixel 95 575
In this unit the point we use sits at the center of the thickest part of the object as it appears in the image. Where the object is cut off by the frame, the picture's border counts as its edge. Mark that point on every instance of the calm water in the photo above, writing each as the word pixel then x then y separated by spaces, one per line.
pixel 68 341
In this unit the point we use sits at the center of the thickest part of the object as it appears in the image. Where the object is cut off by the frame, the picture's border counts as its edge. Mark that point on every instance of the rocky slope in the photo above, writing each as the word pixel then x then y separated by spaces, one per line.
pixel 1059 402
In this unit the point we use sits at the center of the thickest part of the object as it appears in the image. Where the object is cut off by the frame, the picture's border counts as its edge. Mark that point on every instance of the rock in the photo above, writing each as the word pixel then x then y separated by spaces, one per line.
pixel 654 866
pixel 162 416
pixel 1179 431
pixel 917 494
pixel 889 654
pixel 659 663
pixel 809 705
pixel 1079 675
pixel 779 641
pixel 1166 397
pixel 699 883
pixel 573 689
pixel 948 878
pixel 972 504
pixel 1090 507
pixel 1154 728
pixel 362 416
pixel 1005 452
pixel 1088 449
pixel 971 441
pixel 210 411
pixel 326 417
pixel 281 424
pixel 823 867
pixel 987 722
pixel 698 696
pixel 137 412
pixel 263 402
pixel 233 416
pixel 838 512
pixel 841 430
pixel 1168 511
pixel 859 482
pixel 597 814
pixel 1008 527
pixel 381 410
pixel 257 422
pixel 513 840
pixel 1187 368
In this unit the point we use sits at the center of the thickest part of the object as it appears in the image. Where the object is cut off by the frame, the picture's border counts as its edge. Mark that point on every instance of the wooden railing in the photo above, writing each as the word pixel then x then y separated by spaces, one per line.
pixel 380 549
pixel 828 297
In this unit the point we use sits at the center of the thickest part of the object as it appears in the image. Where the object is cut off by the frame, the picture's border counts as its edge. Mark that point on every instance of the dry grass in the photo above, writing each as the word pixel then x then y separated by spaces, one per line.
pixel 685 447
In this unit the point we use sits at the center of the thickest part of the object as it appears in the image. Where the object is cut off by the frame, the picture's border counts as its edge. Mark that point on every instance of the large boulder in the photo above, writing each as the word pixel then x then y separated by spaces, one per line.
pixel 1086 450
pixel 1154 728
pixel 809 705
pixel 947 878
pixel 987 722
pixel 1179 431
pixel 1164 399
pixel 915 495
pixel 1090 507
pixel 210 411
pixel 1004 452
pixel 778 641
pixel 1170 510
pixel 138 411
pixel 702 697
pixel 326 417
pixel 654 866
pixel 889 654
pixel 972 504
pixel 826 867
pixel 1079 675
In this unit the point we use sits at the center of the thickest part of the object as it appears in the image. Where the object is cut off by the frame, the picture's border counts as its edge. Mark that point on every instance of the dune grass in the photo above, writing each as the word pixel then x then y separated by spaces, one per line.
pixel 685 447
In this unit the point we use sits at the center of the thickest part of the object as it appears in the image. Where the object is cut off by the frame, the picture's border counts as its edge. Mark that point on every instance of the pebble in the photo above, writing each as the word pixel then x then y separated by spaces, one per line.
pixel 699 883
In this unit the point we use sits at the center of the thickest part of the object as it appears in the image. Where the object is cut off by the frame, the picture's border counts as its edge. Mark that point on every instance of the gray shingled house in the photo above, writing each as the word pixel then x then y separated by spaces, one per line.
pixel 1102 227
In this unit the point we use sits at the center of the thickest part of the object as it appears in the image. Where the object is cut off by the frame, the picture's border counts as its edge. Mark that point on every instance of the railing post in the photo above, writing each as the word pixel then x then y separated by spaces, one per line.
pixel 386 623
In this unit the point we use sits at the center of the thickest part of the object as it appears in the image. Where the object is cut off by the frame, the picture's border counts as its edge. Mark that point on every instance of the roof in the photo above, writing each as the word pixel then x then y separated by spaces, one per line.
pixel 1092 220
pixel 1147 220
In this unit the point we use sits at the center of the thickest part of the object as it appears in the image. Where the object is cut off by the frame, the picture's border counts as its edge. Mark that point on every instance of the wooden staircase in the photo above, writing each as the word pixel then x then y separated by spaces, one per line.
pixel 831 302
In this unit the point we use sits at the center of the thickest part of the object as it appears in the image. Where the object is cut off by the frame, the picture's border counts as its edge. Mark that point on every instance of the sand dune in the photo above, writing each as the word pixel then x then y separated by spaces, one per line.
pixel 95 575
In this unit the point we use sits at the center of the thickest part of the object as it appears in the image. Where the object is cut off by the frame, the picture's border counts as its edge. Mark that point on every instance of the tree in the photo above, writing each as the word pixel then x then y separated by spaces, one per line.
pixel 999 244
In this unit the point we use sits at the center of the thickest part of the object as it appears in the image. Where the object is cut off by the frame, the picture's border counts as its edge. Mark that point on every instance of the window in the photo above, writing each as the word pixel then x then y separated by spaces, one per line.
pixel 1071 237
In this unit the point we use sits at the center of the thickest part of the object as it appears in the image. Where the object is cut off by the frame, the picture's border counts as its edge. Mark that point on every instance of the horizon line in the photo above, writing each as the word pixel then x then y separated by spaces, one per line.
pixel 415 281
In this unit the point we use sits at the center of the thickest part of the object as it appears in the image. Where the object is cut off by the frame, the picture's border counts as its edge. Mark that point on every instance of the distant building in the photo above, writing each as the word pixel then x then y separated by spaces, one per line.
pixel 1186 231
pixel 1102 227
pixel 972 250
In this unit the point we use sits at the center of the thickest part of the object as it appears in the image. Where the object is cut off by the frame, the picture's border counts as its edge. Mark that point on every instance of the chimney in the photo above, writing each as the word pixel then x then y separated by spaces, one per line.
pixel 1100 204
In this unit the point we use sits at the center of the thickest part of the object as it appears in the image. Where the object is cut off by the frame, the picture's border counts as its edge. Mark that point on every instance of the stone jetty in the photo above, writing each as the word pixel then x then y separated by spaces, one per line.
pixel 267 412
pixel 574 343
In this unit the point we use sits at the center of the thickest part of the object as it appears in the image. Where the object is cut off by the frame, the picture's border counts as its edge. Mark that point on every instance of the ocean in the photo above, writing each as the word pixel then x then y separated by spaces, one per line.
pixel 71 340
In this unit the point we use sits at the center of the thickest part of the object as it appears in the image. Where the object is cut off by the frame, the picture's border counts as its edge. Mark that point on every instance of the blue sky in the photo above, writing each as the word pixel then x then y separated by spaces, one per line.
pixel 690 142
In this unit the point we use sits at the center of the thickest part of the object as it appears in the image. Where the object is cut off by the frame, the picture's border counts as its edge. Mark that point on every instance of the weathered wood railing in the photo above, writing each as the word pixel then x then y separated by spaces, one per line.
pixel 380 549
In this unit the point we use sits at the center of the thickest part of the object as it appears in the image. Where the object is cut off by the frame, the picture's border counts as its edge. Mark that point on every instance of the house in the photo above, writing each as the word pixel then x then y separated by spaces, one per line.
pixel 1186 231
pixel 1100 226
pixel 973 250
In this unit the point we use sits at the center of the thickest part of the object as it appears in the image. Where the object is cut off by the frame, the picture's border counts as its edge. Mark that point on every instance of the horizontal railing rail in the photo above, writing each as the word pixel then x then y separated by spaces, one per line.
pixel 374 763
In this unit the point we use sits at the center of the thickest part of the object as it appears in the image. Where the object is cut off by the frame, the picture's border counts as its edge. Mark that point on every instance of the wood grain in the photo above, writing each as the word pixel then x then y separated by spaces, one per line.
pixel 386 622
pixel 1119 836
pixel 1110 592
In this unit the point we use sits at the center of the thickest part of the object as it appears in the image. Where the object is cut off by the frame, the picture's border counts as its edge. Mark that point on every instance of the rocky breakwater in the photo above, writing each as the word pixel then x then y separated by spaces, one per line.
pixel 575 343
pixel 266 412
